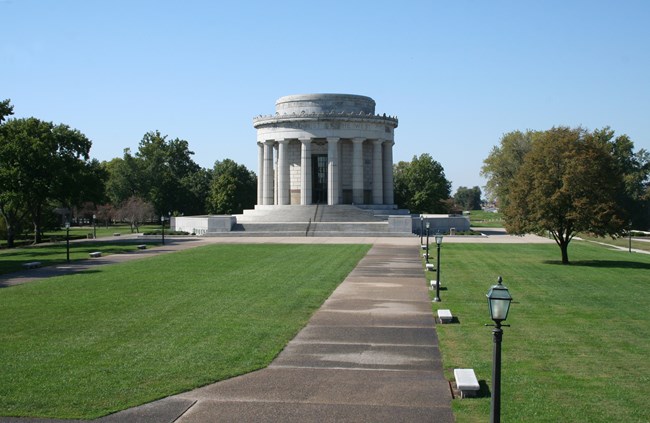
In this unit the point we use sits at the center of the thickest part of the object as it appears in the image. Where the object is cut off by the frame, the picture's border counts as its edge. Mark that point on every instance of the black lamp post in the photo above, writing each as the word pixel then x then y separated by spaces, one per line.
pixel 94 227
pixel 438 243
pixel 162 228
pixel 427 225
pixel 421 228
pixel 499 303
pixel 629 237
pixel 67 241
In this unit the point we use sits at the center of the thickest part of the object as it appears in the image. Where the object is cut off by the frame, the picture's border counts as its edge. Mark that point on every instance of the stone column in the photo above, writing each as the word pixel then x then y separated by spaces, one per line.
pixel 260 173
pixel 268 172
pixel 305 172
pixel 283 173
pixel 332 171
pixel 388 172
pixel 275 173
pixel 377 173
pixel 357 170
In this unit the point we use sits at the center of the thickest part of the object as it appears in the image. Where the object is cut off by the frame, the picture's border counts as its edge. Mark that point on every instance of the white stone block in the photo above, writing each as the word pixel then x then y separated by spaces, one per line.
pixel 445 316
pixel 466 382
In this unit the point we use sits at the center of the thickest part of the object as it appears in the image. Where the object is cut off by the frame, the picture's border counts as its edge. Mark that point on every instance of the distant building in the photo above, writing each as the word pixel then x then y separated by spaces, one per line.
pixel 325 149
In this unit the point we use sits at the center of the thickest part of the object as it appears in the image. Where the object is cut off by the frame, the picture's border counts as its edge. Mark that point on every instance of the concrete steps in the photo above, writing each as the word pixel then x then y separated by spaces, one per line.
pixel 314 220
pixel 313 213
pixel 310 229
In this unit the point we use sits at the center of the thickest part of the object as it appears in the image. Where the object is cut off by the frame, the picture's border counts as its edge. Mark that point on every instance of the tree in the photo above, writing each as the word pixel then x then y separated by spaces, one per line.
pixel 568 183
pixel 40 163
pixel 163 173
pixel 105 213
pixel 421 186
pixel 635 168
pixel 468 198
pixel 125 178
pixel 196 188
pixel 12 214
pixel 164 165
pixel 6 109
pixel 503 163
pixel 135 210
pixel 233 188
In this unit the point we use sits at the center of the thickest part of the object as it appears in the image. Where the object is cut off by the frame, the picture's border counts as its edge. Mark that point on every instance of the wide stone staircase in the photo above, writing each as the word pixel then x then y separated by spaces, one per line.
pixel 315 220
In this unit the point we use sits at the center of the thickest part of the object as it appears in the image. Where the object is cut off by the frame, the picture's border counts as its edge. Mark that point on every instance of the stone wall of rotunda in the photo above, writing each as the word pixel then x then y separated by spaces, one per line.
pixel 325 148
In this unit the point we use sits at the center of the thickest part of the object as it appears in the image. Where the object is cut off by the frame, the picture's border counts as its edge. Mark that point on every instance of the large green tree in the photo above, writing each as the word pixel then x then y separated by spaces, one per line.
pixel 11 210
pixel 164 164
pixel 421 186
pixel 125 178
pixel 42 164
pixel 162 173
pixel 635 168
pixel 503 162
pixel 468 198
pixel 233 188
pixel 567 183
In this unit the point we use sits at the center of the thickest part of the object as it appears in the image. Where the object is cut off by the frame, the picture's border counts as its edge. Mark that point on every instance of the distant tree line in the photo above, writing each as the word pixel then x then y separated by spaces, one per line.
pixel 47 177
pixel 564 181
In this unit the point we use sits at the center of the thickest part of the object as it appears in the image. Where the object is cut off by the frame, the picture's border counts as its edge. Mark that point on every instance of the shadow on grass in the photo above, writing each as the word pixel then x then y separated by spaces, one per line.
pixel 454 321
pixel 604 264
pixel 484 390
pixel 58 272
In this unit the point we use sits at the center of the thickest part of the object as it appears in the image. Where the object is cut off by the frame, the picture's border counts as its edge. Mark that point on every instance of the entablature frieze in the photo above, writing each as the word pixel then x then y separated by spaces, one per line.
pixel 333 119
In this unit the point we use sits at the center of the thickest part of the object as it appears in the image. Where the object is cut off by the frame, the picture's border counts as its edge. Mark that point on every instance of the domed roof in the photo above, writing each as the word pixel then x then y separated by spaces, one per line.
pixel 324 103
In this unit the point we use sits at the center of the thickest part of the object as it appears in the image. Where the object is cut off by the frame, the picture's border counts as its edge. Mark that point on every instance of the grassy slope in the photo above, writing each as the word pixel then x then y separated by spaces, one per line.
pixel 483 219
pixel 85 345
pixel 579 343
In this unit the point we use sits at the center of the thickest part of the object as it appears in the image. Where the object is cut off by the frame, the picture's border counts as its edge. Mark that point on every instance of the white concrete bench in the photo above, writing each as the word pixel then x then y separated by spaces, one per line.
pixel 444 316
pixel 117 234
pixel 142 247
pixel 433 283
pixel 424 247
pixel 466 382
pixel 430 267
pixel 95 254
pixel 32 265
pixel 424 255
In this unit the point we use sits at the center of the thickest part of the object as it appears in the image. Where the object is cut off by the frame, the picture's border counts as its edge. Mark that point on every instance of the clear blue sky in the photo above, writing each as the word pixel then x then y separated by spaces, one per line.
pixel 457 74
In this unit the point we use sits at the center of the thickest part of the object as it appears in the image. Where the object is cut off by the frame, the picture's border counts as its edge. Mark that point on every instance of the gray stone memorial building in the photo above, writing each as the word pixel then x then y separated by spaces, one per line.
pixel 325 168
pixel 325 149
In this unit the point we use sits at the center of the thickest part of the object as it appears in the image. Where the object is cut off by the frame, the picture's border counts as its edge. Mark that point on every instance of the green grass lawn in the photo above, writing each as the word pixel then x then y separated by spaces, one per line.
pixel 82 232
pixel 483 219
pixel 619 242
pixel 101 231
pixel 85 345
pixel 579 344
pixel 12 260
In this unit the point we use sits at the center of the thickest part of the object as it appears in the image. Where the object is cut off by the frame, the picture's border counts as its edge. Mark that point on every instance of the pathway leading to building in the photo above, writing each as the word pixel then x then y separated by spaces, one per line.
pixel 370 353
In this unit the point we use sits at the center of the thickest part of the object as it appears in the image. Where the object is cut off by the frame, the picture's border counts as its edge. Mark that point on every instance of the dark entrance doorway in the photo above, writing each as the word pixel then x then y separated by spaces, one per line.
pixel 319 178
